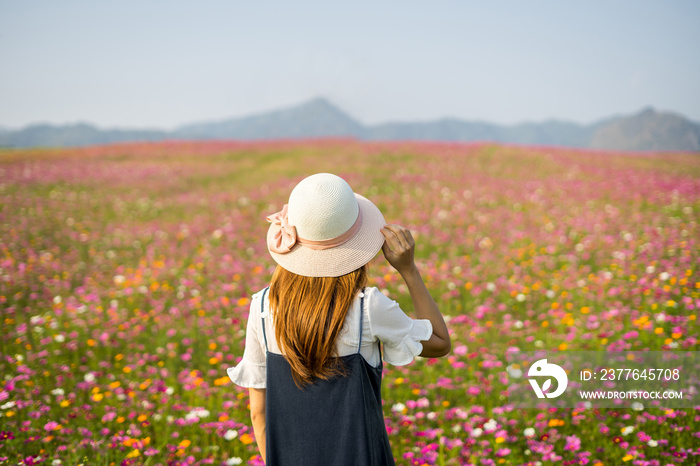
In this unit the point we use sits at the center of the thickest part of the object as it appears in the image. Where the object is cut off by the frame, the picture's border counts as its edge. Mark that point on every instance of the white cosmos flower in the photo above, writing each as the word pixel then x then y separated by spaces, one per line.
pixel 491 425
pixel 398 407
pixel 8 405
pixel 197 413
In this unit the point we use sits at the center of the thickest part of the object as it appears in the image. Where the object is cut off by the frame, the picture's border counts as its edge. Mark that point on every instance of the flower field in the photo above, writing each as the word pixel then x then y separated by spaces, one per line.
pixel 126 272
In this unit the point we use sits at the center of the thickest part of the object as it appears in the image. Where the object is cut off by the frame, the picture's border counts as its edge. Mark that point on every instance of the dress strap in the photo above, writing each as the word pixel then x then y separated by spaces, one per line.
pixel 262 309
pixel 362 311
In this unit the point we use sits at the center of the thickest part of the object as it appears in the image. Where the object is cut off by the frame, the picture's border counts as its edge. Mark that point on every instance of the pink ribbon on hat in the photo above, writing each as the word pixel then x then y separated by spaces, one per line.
pixel 285 238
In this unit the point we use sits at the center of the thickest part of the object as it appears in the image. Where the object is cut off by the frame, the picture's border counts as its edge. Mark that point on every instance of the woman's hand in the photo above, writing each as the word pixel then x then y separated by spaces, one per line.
pixel 399 247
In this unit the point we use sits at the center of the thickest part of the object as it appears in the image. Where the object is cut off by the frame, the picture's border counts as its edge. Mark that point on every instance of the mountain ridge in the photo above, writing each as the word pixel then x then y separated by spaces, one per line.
pixel 645 130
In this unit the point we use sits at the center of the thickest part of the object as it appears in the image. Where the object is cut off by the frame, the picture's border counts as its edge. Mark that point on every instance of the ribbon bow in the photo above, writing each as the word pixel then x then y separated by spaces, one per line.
pixel 283 240
pixel 284 236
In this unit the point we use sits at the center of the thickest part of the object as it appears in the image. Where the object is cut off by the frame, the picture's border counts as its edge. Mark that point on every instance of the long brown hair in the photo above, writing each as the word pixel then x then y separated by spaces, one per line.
pixel 309 313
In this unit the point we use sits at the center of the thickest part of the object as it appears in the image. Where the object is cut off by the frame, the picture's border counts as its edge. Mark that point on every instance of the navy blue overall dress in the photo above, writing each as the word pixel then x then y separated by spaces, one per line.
pixel 334 422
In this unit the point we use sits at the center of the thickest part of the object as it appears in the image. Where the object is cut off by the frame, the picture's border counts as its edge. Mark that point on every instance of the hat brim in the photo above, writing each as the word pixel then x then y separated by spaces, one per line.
pixel 342 259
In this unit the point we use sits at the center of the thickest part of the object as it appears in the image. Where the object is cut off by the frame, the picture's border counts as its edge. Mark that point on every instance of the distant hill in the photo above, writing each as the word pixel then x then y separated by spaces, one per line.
pixel 316 118
pixel 646 130
pixel 81 134
pixel 548 133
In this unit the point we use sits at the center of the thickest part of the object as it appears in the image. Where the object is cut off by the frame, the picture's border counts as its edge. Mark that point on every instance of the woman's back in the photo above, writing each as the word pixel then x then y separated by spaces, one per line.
pixel 382 320
pixel 345 409
pixel 312 360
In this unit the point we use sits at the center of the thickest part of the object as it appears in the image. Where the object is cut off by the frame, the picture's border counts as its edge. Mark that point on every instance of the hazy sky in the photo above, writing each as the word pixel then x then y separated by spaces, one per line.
pixel 161 63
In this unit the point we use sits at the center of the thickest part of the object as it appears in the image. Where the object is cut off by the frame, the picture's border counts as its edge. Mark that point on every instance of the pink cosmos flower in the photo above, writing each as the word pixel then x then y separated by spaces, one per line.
pixel 573 443
pixel 51 425
pixel 503 452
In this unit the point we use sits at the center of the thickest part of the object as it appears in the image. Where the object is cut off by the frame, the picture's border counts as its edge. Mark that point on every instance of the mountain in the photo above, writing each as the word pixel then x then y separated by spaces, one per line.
pixel 80 134
pixel 552 132
pixel 646 130
pixel 315 118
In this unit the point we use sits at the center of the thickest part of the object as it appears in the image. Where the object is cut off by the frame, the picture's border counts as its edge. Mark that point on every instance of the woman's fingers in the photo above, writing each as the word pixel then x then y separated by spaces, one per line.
pixel 398 247
pixel 386 249
pixel 391 240
pixel 403 235
pixel 406 237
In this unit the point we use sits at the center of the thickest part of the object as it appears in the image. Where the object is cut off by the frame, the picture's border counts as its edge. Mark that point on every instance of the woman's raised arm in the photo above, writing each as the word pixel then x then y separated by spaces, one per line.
pixel 398 248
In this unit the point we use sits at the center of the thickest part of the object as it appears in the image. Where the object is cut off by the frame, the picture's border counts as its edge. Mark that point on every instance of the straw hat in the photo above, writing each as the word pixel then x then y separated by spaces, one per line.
pixel 325 230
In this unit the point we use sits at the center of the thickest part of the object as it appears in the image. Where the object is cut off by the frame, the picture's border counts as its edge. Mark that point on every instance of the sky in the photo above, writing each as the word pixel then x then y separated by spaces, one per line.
pixel 163 63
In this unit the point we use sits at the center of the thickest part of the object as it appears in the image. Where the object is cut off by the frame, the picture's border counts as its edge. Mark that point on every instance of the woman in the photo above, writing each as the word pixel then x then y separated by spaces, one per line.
pixel 312 360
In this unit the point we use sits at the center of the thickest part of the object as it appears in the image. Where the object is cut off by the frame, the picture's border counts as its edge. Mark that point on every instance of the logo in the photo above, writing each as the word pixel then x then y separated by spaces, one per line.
pixel 542 368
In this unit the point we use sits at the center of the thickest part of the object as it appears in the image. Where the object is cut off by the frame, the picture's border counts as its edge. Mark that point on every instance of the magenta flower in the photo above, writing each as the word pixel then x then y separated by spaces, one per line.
pixel 503 452
pixel 51 425
pixel 573 443
pixel 32 460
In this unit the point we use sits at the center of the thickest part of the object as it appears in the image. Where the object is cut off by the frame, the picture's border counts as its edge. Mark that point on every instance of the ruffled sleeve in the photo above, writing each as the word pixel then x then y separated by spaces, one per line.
pixel 251 371
pixel 400 334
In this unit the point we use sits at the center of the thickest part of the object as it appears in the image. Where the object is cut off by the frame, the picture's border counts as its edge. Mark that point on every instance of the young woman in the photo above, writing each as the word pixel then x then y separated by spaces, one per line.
pixel 312 360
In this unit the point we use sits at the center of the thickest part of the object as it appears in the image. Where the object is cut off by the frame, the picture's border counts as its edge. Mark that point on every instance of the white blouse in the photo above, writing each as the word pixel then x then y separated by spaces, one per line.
pixel 383 320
